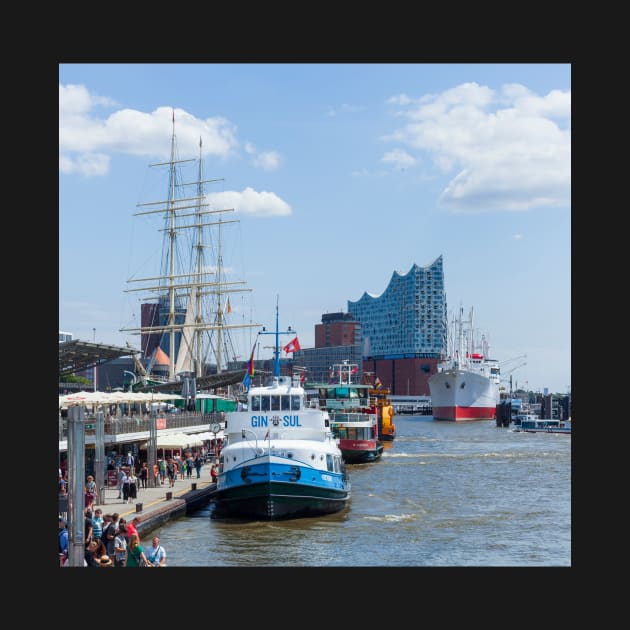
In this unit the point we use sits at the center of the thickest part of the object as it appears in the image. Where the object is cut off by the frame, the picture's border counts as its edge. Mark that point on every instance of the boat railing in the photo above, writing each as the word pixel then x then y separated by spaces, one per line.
pixel 350 417
pixel 115 425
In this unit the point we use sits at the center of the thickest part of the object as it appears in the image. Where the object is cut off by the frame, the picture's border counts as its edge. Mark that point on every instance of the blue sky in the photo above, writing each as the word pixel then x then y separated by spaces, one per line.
pixel 339 175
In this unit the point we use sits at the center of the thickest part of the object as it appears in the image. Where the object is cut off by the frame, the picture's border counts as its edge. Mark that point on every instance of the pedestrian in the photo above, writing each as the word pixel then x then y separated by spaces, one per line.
pixel 125 487
pixel 213 473
pixel 162 464
pixel 120 547
pixel 90 557
pixel 133 486
pixel 110 527
pixel 198 464
pixel 97 524
pixel 90 492
pixel 189 466
pixel 132 528
pixel 156 553
pixel 62 537
pixel 88 529
pixel 120 473
pixel 144 474
pixel 135 553
pixel 156 475
pixel 170 471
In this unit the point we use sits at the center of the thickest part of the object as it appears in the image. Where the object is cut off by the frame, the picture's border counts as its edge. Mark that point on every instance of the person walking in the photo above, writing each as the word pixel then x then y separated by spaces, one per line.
pixel 162 465
pixel 110 528
pixel 120 473
pixel 144 474
pixel 198 463
pixel 213 473
pixel 156 475
pixel 135 553
pixel 156 553
pixel 125 487
pixel 170 471
pixel 133 486
pixel 90 492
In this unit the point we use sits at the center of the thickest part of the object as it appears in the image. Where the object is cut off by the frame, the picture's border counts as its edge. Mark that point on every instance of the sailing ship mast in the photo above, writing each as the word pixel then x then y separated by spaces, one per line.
pixel 189 285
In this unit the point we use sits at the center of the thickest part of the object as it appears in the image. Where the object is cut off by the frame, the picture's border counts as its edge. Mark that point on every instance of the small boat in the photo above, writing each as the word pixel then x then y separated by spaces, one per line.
pixel 354 416
pixel 531 423
pixel 281 460
pixel 379 397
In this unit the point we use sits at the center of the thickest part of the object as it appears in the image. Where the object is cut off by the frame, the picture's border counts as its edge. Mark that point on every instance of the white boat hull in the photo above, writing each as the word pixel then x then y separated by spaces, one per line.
pixel 463 395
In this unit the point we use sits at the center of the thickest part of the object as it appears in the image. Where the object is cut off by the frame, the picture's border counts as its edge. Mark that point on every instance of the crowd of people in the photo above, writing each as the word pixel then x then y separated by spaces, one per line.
pixel 111 541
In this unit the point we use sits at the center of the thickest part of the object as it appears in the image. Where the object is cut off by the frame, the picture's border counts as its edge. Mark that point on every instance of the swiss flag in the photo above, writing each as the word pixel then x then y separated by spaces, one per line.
pixel 292 346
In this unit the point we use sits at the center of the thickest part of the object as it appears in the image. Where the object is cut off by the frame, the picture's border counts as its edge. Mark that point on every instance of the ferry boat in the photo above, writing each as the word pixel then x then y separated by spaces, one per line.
pixel 281 460
pixel 354 416
pixel 531 423
pixel 466 385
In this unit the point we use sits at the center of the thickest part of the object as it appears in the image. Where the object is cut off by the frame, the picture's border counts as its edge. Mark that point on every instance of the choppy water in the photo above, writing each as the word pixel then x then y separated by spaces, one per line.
pixel 443 494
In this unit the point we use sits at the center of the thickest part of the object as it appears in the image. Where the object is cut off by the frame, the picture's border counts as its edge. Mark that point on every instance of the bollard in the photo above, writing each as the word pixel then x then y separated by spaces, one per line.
pixel 138 507
pixel 169 496
pixel 193 486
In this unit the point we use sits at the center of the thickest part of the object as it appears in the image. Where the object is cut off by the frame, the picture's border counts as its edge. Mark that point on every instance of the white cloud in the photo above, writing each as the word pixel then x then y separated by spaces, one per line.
pixel 268 161
pixel 517 237
pixel 249 148
pixel 251 202
pixel 399 158
pixel 509 150
pixel 83 134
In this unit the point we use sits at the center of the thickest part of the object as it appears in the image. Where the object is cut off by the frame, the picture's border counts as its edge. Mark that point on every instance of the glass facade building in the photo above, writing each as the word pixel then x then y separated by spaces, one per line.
pixel 409 319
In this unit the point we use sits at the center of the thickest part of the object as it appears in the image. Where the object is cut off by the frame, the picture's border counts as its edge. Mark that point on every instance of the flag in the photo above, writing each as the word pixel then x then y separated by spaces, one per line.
pixel 229 308
pixel 302 379
pixel 292 346
pixel 249 373
pixel 377 383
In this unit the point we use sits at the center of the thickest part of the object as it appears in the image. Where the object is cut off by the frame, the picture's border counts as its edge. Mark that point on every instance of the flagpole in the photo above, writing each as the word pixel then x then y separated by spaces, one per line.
pixel 277 333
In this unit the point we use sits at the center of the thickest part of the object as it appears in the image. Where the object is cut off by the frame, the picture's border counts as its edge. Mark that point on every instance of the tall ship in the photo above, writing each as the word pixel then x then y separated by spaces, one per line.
pixel 466 385
pixel 354 416
pixel 185 306
pixel 281 460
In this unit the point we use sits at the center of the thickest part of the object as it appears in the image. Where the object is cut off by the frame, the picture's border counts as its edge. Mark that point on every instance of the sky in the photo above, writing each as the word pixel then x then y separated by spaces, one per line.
pixel 338 175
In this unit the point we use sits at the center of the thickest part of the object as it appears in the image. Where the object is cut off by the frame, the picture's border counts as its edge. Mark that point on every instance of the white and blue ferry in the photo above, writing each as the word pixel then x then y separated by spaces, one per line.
pixel 281 459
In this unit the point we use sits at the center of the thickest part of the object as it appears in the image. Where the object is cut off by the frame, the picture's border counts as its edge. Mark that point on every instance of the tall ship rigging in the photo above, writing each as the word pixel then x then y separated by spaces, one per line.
pixel 466 385
pixel 184 312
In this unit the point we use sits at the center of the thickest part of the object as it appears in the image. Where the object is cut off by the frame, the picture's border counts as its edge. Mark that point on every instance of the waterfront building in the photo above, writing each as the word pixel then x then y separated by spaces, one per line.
pixel 404 329
pixel 337 339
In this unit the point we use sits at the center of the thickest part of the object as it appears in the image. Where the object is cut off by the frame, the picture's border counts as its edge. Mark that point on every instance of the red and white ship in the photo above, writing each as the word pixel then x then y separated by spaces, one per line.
pixel 466 385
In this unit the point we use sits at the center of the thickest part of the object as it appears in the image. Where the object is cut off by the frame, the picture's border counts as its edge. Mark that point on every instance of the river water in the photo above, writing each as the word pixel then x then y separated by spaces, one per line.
pixel 444 494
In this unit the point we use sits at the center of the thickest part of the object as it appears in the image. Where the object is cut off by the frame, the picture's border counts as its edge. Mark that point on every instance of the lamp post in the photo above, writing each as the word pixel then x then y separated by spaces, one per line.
pixel 94 341
pixel 152 445
pixel 76 476
pixel 99 456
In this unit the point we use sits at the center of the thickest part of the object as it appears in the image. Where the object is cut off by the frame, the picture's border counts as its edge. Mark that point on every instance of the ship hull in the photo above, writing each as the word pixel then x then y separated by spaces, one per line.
pixel 264 489
pixel 360 451
pixel 463 396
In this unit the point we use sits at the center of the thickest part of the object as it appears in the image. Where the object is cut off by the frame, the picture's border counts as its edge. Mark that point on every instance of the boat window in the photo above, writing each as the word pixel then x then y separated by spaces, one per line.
pixel 330 463
pixel 295 402
pixel 255 403
pixel 264 403
pixel 285 402
pixel 275 403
